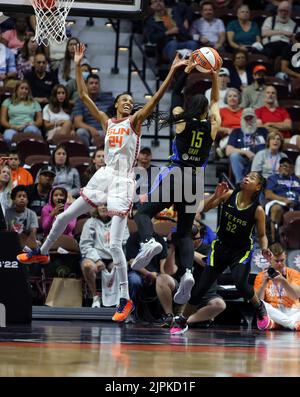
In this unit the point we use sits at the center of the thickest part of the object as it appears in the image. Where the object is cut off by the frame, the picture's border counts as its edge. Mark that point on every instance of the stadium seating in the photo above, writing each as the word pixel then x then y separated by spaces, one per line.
pixel 32 146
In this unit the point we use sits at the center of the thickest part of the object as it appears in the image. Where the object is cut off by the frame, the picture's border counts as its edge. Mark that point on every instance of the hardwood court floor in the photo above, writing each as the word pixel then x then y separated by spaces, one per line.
pixel 97 349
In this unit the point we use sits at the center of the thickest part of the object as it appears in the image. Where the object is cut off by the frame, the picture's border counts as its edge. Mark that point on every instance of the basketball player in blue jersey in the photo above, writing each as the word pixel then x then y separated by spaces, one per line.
pixel 197 124
pixel 241 212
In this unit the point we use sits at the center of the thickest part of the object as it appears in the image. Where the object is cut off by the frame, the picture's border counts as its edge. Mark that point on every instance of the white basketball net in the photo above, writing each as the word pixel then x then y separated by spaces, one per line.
pixel 51 20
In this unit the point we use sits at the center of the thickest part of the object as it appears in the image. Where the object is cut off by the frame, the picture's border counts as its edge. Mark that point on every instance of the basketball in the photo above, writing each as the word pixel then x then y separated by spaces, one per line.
pixel 207 58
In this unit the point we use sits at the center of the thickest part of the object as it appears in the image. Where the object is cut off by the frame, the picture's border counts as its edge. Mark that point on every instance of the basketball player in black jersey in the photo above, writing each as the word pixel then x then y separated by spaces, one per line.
pixel 241 212
pixel 195 133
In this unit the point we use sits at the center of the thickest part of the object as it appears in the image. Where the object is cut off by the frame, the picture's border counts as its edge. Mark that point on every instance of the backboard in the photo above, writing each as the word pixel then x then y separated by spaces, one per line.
pixel 90 8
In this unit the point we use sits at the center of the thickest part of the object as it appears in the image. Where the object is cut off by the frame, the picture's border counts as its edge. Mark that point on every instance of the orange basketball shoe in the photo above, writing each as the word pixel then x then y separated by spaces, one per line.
pixel 124 308
pixel 33 256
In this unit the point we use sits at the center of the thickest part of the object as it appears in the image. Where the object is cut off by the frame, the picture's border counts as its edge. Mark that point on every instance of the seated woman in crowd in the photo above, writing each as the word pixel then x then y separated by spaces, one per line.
pixel 72 85
pixel 66 176
pixel 57 114
pixel 97 161
pixel 230 116
pixel 267 161
pixel 5 187
pixel 240 73
pixel 25 57
pixel 242 33
pixel 21 113
pixel 57 204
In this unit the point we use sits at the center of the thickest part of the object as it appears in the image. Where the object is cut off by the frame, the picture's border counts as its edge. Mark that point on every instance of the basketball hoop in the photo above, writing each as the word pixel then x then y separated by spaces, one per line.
pixel 51 20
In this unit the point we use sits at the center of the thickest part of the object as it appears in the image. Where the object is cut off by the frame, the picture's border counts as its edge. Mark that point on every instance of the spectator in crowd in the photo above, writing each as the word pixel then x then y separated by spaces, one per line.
pixel 20 176
pixel 25 57
pixel 282 193
pixel 8 69
pixel 87 128
pixel 253 95
pixel 240 73
pixel 66 69
pixel 207 235
pixel 145 181
pixel 57 114
pixel 41 82
pixel 242 33
pixel 56 54
pixel 230 117
pixel 244 143
pixel 72 85
pixel 167 283
pixel 278 31
pixel 21 113
pixel 21 219
pixel 95 249
pixel 97 161
pixel 66 176
pixel 266 161
pixel 290 66
pixel 15 38
pixel 57 204
pixel 208 30
pixel 169 28
pixel 272 116
pixel 143 281
pixel 280 291
pixel 38 194
pixel 224 79
pixel 5 187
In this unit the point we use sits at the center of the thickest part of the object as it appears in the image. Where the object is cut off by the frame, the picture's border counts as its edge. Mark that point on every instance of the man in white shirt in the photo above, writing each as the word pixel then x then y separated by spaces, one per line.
pixel 278 31
pixel 208 30
pixel 223 86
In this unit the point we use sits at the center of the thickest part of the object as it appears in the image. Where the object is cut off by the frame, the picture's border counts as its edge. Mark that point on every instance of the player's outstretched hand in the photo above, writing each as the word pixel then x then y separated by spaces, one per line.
pixel 191 64
pixel 221 189
pixel 79 53
pixel 178 62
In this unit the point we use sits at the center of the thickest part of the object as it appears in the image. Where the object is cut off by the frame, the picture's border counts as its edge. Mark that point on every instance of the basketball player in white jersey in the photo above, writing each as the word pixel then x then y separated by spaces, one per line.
pixel 114 183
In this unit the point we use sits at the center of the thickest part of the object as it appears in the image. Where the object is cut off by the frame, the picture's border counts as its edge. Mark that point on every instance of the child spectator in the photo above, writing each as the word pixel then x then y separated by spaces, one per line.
pixel 20 176
pixel 21 219
pixel 57 204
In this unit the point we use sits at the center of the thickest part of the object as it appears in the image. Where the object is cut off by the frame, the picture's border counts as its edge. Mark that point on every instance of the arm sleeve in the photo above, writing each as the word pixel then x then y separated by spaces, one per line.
pixel 177 97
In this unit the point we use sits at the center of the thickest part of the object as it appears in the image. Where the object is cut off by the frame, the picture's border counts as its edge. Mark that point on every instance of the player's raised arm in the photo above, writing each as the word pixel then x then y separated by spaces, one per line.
pixel 82 90
pixel 214 104
pixel 140 116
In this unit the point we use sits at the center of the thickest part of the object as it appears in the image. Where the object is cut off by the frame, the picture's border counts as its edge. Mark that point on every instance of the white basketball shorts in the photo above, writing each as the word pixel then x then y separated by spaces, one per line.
pixel 112 187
